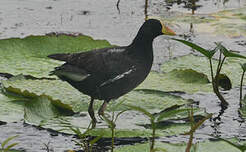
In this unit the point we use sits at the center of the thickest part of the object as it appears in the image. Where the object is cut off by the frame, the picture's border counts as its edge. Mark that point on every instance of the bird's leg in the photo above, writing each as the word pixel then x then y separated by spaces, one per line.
pixel 108 120
pixel 102 108
pixel 91 113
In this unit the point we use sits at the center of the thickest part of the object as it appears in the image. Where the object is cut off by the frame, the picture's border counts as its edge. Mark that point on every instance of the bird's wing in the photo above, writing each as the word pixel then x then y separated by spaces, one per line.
pixel 118 77
pixel 107 62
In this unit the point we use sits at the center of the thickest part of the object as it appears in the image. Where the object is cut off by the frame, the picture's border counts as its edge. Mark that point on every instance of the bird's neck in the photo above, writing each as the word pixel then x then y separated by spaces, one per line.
pixel 142 50
pixel 141 47
pixel 143 38
pixel 142 44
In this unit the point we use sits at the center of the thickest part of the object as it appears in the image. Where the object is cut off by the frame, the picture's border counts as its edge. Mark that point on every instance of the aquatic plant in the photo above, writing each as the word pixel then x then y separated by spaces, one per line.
pixel 84 142
pixel 6 146
pixel 194 127
pixel 111 121
pixel 155 119
pixel 47 147
pixel 241 84
pixel 217 77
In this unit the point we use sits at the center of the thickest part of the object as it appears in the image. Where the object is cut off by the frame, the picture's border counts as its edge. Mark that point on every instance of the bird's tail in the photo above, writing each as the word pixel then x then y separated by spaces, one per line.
pixel 61 57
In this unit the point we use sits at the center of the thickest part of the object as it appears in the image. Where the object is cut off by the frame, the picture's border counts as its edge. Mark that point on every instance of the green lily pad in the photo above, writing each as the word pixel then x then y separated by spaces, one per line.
pixel 60 93
pixel 151 100
pixel 44 100
pixel 39 110
pixel 65 96
pixel 231 68
pixel 178 79
pixel 11 108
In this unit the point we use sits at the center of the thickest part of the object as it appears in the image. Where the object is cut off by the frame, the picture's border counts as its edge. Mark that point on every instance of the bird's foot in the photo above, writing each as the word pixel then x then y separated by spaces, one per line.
pixel 101 114
pixel 93 124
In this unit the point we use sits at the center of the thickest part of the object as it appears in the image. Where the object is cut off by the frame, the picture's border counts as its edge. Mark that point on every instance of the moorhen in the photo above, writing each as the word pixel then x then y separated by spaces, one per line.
pixel 109 73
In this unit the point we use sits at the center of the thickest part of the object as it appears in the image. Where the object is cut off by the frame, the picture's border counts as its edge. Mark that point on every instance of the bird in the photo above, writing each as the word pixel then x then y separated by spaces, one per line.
pixel 109 73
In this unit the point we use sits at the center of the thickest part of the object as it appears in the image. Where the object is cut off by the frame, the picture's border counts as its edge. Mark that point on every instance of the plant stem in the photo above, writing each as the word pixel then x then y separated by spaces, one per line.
pixel 112 145
pixel 152 145
pixel 192 123
pixel 241 87
pixel 146 9
pixel 211 68
pixel 221 64
pixel 113 132
pixel 189 144
pixel 215 81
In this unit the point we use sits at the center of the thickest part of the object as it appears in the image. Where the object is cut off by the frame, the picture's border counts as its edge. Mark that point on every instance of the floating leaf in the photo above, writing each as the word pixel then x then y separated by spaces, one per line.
pixel 180 79
pixel 231 68
pixel 60 93
pixel 11 108
pixel 40 110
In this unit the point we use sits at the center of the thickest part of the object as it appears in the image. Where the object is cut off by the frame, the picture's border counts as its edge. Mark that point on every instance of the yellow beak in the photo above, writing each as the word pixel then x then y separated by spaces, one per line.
pixel 166 30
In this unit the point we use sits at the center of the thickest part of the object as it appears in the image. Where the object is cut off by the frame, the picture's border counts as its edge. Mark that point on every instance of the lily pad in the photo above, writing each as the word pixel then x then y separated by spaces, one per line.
pixel 65 96
pixel 178 79
pixel 62 94
pixel 11 108
pixel 38 107
pixel 231 68
pixel 39 110
pixel 43 101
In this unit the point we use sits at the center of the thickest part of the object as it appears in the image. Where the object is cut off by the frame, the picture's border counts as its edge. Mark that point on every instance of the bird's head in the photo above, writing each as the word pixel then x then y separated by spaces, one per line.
pixel 157 27
pixel 150 29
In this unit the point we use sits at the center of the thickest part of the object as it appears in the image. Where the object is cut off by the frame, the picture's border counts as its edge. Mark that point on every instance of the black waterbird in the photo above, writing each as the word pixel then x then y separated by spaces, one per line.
pixel 109 73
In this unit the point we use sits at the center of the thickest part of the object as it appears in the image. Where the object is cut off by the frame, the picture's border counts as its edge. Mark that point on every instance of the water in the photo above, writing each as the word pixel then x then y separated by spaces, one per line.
pixel 101 20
